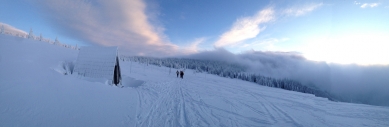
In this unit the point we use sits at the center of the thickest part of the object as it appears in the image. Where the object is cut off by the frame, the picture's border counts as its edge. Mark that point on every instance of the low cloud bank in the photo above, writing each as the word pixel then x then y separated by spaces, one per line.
pixel 351 83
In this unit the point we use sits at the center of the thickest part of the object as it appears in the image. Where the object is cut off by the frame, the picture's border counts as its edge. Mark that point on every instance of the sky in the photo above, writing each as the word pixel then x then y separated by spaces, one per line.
pixel 334 31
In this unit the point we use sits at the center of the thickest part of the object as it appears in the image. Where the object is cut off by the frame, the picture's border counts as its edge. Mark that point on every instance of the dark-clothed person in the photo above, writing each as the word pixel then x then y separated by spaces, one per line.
pixel 181 74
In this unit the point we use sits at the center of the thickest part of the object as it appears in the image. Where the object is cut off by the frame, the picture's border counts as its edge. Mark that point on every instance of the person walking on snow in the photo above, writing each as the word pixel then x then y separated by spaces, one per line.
pixel 182 74
pixel 177 73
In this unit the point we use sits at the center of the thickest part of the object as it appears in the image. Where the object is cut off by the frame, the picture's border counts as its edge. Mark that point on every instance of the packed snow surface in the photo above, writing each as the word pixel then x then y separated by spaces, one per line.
pixel 33 92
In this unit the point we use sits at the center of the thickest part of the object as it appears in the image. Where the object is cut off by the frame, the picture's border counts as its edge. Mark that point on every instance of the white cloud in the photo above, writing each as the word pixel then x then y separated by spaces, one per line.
pixel 365 5
pixel 245 28
pixel 109 23
pixel 194 46
pixel 301 10
pixel 12 30
pixel 357 3
pixel 265 44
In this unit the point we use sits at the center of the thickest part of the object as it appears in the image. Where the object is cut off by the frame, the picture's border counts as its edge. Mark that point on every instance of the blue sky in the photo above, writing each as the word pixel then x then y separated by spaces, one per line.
pixel 334 31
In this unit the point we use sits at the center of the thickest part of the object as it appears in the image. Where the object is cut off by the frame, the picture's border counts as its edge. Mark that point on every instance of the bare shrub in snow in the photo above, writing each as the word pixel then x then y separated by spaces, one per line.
pixel 65 67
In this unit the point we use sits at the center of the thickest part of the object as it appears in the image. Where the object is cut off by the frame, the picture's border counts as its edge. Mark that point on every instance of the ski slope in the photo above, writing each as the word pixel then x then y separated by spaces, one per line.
pixel 34 93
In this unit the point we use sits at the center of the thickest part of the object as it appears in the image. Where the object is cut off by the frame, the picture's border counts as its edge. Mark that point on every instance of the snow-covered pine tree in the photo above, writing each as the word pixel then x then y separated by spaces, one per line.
pixel 56 41
pixel 40 37
pixel 31 34
pixel 2 29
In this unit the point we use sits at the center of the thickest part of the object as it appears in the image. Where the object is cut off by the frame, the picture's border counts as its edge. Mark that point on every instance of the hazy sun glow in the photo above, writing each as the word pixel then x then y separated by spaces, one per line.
pixel 363 49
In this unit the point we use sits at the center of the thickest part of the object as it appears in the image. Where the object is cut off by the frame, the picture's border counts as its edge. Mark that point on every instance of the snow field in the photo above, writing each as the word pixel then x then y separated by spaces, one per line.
pixel 33 93
pixel 208 100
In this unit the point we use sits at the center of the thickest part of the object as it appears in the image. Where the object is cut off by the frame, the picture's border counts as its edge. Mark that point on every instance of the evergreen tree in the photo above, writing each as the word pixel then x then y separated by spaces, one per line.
pixel 2 29
pixel 56 41
pixel 40 37
pixel 31 34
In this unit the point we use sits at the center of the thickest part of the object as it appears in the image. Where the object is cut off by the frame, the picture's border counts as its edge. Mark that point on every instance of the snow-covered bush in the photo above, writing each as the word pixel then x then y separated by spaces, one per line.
pixel 69 66
pixel 65 67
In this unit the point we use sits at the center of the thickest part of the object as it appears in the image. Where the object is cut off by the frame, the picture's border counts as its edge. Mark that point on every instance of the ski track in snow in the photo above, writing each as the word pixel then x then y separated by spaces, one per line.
pixel 200 101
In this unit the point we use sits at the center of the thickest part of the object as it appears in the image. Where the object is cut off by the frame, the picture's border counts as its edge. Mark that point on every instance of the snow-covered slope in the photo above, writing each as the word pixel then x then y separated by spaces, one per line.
pixel 33 93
